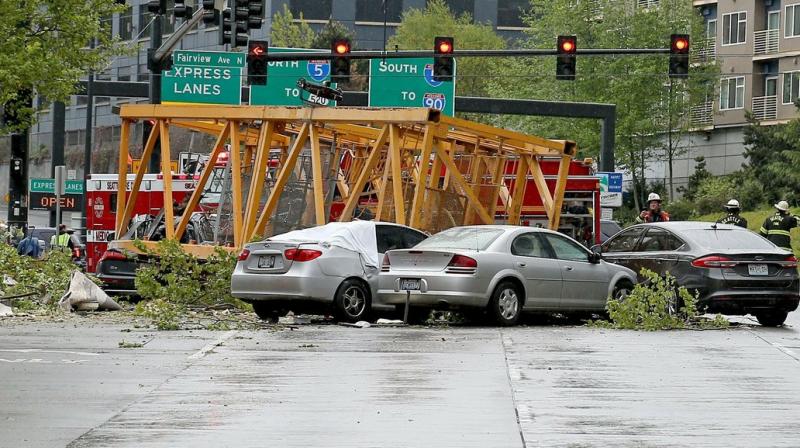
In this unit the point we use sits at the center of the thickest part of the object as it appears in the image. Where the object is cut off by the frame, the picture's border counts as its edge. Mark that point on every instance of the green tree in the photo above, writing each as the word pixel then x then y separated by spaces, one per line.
pixel 773 155
pixel 332 30
pixel 418 28
pixel 45 48
pixel 285 32
pixel 651 115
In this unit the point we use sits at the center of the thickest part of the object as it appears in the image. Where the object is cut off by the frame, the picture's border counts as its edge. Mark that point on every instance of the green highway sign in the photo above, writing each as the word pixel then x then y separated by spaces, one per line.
pixel 210 77
pixel 409 83
pixel 282 76
pixel 49 186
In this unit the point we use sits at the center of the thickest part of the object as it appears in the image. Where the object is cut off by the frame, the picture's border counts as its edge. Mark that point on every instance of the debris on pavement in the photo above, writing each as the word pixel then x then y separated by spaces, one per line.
pixel 389 322
pixel 359 324
pixel 5 310
pixel 84 295
pixel 292 319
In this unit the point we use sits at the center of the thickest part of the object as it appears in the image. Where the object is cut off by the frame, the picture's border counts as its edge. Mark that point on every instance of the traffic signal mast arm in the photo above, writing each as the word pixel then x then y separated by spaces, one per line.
pixel 166 48
pixel 308 56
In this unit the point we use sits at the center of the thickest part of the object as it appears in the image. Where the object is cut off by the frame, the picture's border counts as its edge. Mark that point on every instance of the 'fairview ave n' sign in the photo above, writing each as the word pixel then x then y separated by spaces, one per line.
pixel 210 77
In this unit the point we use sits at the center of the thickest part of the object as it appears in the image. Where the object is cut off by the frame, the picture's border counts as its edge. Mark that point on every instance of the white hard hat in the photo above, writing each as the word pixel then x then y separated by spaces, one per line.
pixel 733 203
pixel 654 197
pixel 782 206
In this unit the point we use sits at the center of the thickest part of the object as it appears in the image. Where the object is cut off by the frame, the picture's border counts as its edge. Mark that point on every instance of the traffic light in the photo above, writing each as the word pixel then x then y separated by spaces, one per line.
pixel 679 56
pixel 340 60
pixel 157 6
pixel 443 59
pixel 565 60
pixel 180 10
pixel 210 14
pixel 225 27
pixel 257 62
pixel 255 14
pixel 241 12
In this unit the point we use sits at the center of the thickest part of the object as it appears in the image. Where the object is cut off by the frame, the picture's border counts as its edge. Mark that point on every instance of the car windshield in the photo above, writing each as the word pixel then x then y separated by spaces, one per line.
pixel 728 239
pixel 466 238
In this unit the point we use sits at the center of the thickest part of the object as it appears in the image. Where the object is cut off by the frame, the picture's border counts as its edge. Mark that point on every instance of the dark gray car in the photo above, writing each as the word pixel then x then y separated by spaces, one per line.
pixel 733 270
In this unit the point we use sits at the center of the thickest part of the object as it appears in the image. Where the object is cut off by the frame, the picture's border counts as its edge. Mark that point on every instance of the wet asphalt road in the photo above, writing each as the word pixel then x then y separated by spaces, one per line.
pixel 70 384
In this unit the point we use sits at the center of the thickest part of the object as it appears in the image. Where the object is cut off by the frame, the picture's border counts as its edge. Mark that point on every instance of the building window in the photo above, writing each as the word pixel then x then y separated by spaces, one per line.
pixel 511 12
pixel 792 20
pixel 126 24
pixel 648 4
pixel 711 29
pixel 460 7
pixel 372 11
pixel 791 87
pixel 734 28
pixel 731 93
pixel 124 73
pixel 312 9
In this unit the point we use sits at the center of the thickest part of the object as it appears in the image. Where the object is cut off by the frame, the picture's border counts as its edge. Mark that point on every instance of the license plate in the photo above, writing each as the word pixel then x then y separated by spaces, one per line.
pixel 758 269
pixel 409 284
pixel 266 261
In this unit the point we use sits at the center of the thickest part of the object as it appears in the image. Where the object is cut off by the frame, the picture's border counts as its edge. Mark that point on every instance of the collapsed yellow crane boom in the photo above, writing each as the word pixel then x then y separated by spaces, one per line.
pixel 414 160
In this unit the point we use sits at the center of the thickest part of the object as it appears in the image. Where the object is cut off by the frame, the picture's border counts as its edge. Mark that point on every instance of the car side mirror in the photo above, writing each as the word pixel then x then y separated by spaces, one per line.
pixel 594 258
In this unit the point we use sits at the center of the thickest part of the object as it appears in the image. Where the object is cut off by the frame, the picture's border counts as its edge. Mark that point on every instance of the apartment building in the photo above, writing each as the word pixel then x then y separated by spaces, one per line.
pixel 757 44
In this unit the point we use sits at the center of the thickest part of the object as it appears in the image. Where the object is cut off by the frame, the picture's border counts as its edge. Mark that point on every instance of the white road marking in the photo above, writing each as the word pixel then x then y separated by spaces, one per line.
pixel 212 345
pixel 785 350
pixel 38 350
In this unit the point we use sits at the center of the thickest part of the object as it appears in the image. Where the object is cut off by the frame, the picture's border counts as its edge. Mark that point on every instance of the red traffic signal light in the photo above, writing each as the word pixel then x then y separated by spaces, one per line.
pixel 679 43
pixel 566 46
pixel 257 62
pixel 341 47
pixel 340 62
pixel 679 56
pixel 257 49
pixel 443 65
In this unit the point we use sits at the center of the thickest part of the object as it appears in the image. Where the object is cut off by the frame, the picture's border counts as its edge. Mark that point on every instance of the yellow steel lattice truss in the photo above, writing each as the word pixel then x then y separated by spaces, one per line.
pixel 411 166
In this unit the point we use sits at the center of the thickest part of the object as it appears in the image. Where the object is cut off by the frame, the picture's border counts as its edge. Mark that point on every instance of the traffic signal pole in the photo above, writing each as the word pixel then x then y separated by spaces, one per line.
pixel 155 66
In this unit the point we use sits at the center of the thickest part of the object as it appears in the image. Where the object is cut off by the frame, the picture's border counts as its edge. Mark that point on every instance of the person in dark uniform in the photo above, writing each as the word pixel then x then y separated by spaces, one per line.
pixel 776 228
pixel 733 209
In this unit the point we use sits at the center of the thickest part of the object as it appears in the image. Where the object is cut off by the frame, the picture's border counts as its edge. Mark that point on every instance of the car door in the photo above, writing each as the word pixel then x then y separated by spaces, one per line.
pixel 657 250
pixel 584 283
pixel 542 273
pixel 621 249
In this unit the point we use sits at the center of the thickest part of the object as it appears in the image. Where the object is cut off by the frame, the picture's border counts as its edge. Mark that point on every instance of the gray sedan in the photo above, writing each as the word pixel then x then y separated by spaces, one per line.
pixel 503 269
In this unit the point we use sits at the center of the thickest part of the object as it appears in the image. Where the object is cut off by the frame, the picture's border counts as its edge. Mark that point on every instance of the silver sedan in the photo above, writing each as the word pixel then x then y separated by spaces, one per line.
pixel 502 269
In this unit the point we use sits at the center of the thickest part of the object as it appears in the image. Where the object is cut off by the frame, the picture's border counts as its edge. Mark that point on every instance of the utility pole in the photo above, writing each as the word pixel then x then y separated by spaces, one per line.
pixel 87 144
pixel 57 152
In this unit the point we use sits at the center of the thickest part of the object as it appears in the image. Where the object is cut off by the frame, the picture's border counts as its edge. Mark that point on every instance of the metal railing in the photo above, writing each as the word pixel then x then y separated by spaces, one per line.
pixel 765 107
pixel 702 115
pixel 706 51
pixel 765 42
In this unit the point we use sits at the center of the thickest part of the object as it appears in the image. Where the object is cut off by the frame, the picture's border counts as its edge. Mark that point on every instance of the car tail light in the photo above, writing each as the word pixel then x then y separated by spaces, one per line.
pixel 790 262
pixel 302 254
pixel 386 264
pixel 244 254
pixel 113 255
pixel 461 264
pixel 713 261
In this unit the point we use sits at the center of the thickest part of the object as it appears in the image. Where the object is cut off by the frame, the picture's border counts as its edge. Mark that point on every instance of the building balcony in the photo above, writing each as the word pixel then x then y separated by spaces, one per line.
pixel 765 42
pixel 706 51
pixel 702 115
pixel 765 107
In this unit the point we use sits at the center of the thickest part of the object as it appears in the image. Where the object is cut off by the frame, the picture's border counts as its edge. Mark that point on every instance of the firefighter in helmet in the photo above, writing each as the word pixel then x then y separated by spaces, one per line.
pixel 733 209
pixel 776 228
pixel 653 212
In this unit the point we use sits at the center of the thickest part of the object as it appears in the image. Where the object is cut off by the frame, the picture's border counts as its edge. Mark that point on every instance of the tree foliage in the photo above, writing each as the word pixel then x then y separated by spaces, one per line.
pixel 638 85
pixel 285 32
pixel 773 155
pixel 418 28
pixel 44 46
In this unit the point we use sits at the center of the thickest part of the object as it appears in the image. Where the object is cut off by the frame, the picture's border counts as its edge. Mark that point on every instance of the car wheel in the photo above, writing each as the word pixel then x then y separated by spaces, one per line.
pixel 506 304
pixel 622 290
pixel 352 302
pixel 773 318
pixel 266 311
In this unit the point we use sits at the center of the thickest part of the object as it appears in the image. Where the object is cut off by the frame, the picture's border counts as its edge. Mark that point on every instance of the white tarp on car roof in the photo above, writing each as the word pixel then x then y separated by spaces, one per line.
pixel 357 236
